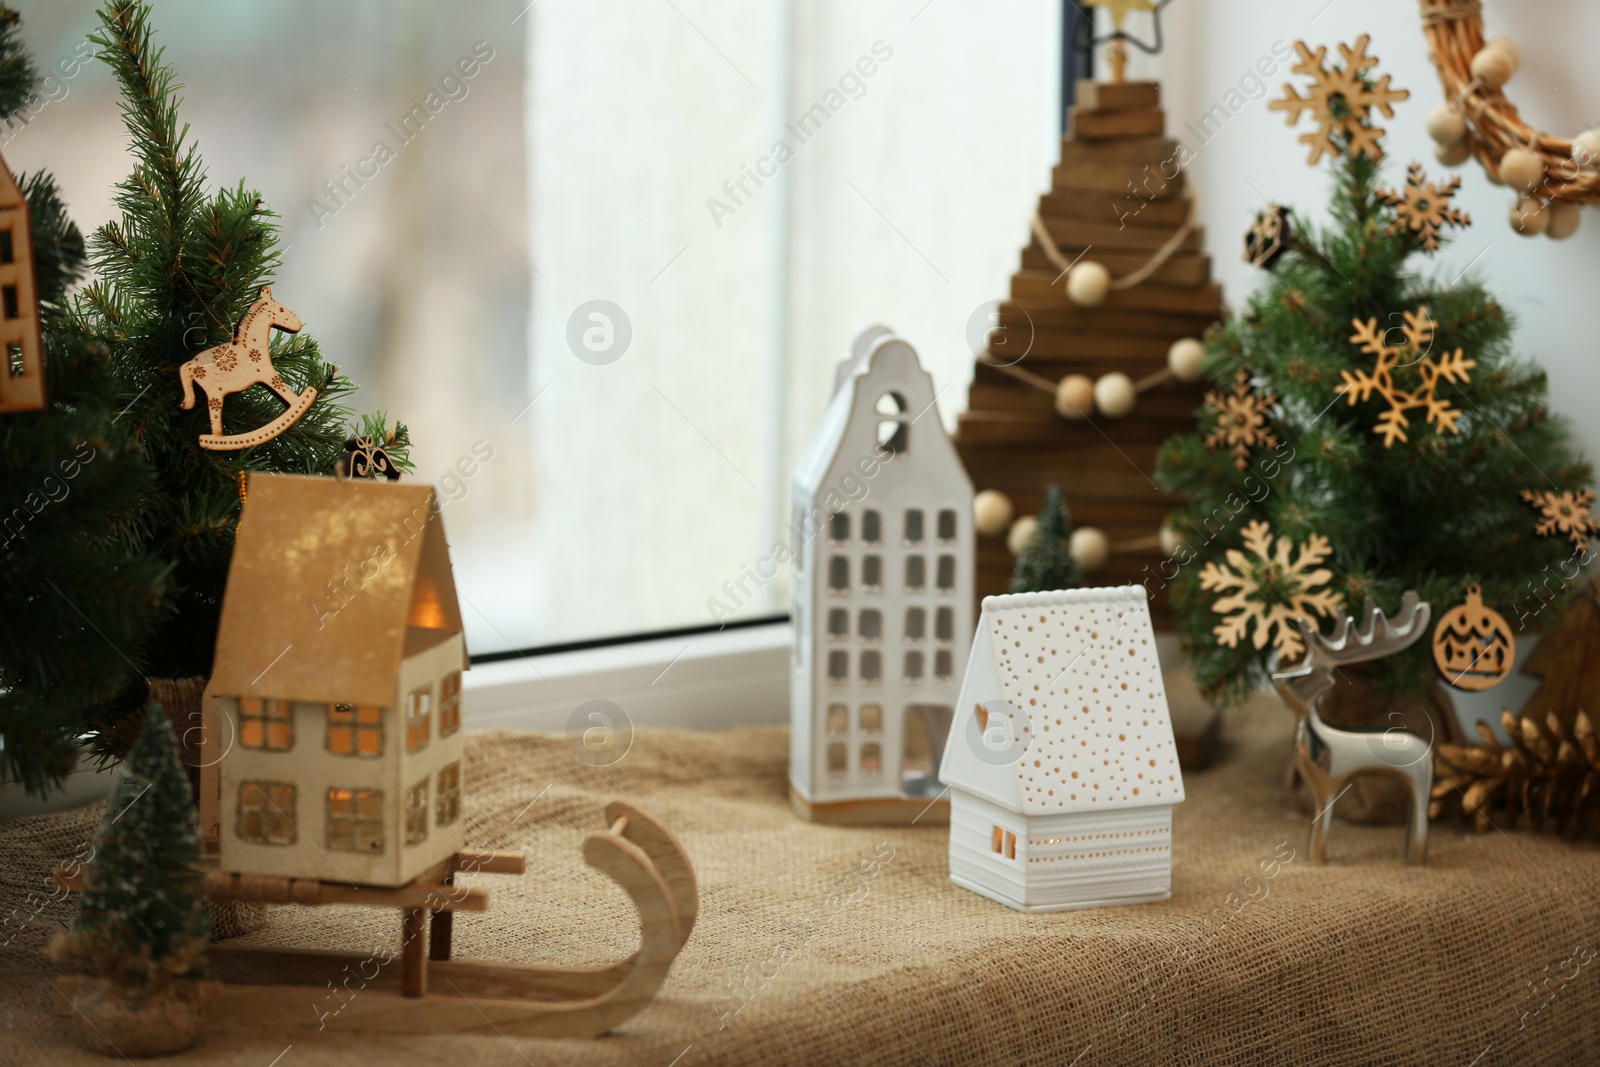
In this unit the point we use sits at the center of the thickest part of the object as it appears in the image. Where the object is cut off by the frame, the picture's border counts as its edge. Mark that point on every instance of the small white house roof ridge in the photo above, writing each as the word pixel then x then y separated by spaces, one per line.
pixel 1081 665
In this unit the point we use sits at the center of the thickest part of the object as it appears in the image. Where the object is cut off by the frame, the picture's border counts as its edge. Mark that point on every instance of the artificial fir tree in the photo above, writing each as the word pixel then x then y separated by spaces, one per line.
pixel 172 277
pixel 1399 428
pixel 78 596
pixel 142 923
pixel 1046 562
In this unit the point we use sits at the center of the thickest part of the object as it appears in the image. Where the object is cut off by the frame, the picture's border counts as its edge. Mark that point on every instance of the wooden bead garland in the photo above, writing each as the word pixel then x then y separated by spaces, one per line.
pixel 1473 72
pixel 991 512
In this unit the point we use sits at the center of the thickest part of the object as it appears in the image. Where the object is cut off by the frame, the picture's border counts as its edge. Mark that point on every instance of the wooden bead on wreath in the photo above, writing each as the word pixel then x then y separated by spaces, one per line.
pixel 1552 177
pixel 1473 646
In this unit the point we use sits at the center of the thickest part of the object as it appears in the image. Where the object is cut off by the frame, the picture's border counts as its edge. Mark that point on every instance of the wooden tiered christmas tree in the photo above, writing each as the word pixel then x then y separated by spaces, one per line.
pixel 1093 397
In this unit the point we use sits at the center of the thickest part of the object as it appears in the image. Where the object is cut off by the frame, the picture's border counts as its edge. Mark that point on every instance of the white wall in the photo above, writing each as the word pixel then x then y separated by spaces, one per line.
pixel 1546 284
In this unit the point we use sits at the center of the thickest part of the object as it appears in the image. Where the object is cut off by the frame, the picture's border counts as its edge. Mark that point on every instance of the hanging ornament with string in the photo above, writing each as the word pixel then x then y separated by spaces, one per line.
pixel 1473 646
pixel 236 365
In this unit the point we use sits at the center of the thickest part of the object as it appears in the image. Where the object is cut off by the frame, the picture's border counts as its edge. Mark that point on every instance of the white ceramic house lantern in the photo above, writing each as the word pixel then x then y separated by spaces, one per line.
pixel 882 594
pixel 1061 763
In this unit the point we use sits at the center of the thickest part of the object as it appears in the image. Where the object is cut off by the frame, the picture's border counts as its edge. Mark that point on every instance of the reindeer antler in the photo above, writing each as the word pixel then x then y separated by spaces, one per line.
pixel 1301 685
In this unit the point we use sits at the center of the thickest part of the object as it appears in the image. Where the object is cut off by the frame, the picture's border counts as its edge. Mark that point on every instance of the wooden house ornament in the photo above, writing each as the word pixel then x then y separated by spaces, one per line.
pixel 883 594
pixel 1061 762
pixel 22 375
pixel 334 707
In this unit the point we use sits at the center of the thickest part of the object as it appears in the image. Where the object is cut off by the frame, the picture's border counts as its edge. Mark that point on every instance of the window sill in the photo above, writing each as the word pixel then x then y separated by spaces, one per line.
pixel 701 681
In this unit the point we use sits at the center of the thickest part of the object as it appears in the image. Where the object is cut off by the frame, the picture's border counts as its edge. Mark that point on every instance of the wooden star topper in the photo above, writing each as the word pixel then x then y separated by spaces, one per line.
pixel 1423 207
pixel 1119 10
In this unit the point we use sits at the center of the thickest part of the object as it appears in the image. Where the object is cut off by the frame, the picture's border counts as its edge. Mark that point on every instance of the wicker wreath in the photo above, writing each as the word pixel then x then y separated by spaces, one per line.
pixel 1554 176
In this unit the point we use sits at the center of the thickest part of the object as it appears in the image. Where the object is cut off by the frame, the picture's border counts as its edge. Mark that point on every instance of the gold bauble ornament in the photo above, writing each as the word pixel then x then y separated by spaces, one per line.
pixel 1473 646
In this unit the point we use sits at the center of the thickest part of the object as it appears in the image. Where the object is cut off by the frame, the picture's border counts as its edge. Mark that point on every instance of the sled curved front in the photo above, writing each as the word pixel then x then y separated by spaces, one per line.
pixel 270 986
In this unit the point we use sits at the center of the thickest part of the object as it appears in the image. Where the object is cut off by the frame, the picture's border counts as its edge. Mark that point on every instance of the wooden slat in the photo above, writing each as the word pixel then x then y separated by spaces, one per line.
pixel 1196 300
pixel 1087 125
pixel 1114 211
pixel 489 861
pixel 1179 270
pixel 413 954
pixel 1003 399
pixel 1152 150
pixel 1145 351
pixel 1109 96
pixel 1063 316
pixel 1073 235
pixel 1134 182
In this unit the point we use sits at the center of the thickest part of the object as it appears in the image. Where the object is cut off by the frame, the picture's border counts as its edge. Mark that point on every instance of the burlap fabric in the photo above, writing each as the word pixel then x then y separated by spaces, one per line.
pixel 831 946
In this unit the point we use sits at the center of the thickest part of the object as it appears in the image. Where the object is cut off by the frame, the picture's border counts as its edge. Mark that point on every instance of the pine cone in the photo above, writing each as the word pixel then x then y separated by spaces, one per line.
pixel 1550 775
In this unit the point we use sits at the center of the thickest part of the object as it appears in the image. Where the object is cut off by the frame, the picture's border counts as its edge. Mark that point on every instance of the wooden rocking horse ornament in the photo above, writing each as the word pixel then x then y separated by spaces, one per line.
pixel 236 365
pixel 1327 757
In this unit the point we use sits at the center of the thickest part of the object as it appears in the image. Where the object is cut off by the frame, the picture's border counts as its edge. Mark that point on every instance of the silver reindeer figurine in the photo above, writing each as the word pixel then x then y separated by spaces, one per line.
pixel 1327 756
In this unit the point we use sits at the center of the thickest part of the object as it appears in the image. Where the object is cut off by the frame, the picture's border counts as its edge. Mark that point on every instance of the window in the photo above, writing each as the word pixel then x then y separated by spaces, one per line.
pixel 419 718
pixel 916 624
pixel 838 574
pixel 8 298
pixel 871 628
pixel 871 718
pixel 265 814
pixel 447 807
pixel 416 812
pixel 355 820
pixel 892 432
pixel 947 525
pixel 1003 842
pixel 871 666
pixel 947 574
pixel 557 123
pixel 916 574
pixel 871 527
pixel 838 623
pixel 872 572
pixel 839 528
pixel 838 764
pixel 838 720
pixel 944 624
pixel 7 255
pixel 913 533
pixel 871 758
pixel 267 724
pixel 942 664
pixel 914 663
pixel 450 704
pixel 355 731
pixel 838 666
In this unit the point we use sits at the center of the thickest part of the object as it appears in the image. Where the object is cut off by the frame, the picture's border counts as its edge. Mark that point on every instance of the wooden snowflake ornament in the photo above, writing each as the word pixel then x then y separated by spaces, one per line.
pixel 1341 101
pixel 1564 514
pixel 1412 355
pixel 1423 207
pixel 1241 419
pixel 1267 591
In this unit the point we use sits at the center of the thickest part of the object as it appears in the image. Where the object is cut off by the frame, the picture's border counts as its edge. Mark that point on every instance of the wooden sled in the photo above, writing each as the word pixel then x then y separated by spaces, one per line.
pixel 261 434
pixel 427 992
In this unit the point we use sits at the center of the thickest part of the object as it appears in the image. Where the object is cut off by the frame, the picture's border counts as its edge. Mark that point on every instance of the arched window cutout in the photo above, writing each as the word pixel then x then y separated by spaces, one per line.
pixel 891 403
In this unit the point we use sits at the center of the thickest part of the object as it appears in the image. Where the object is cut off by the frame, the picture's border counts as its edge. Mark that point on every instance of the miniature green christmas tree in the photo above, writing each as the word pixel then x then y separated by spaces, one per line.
pixel 78 596
pixel 1046 562
pixel 142 919
pixel 173 277
pixel 1370 431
